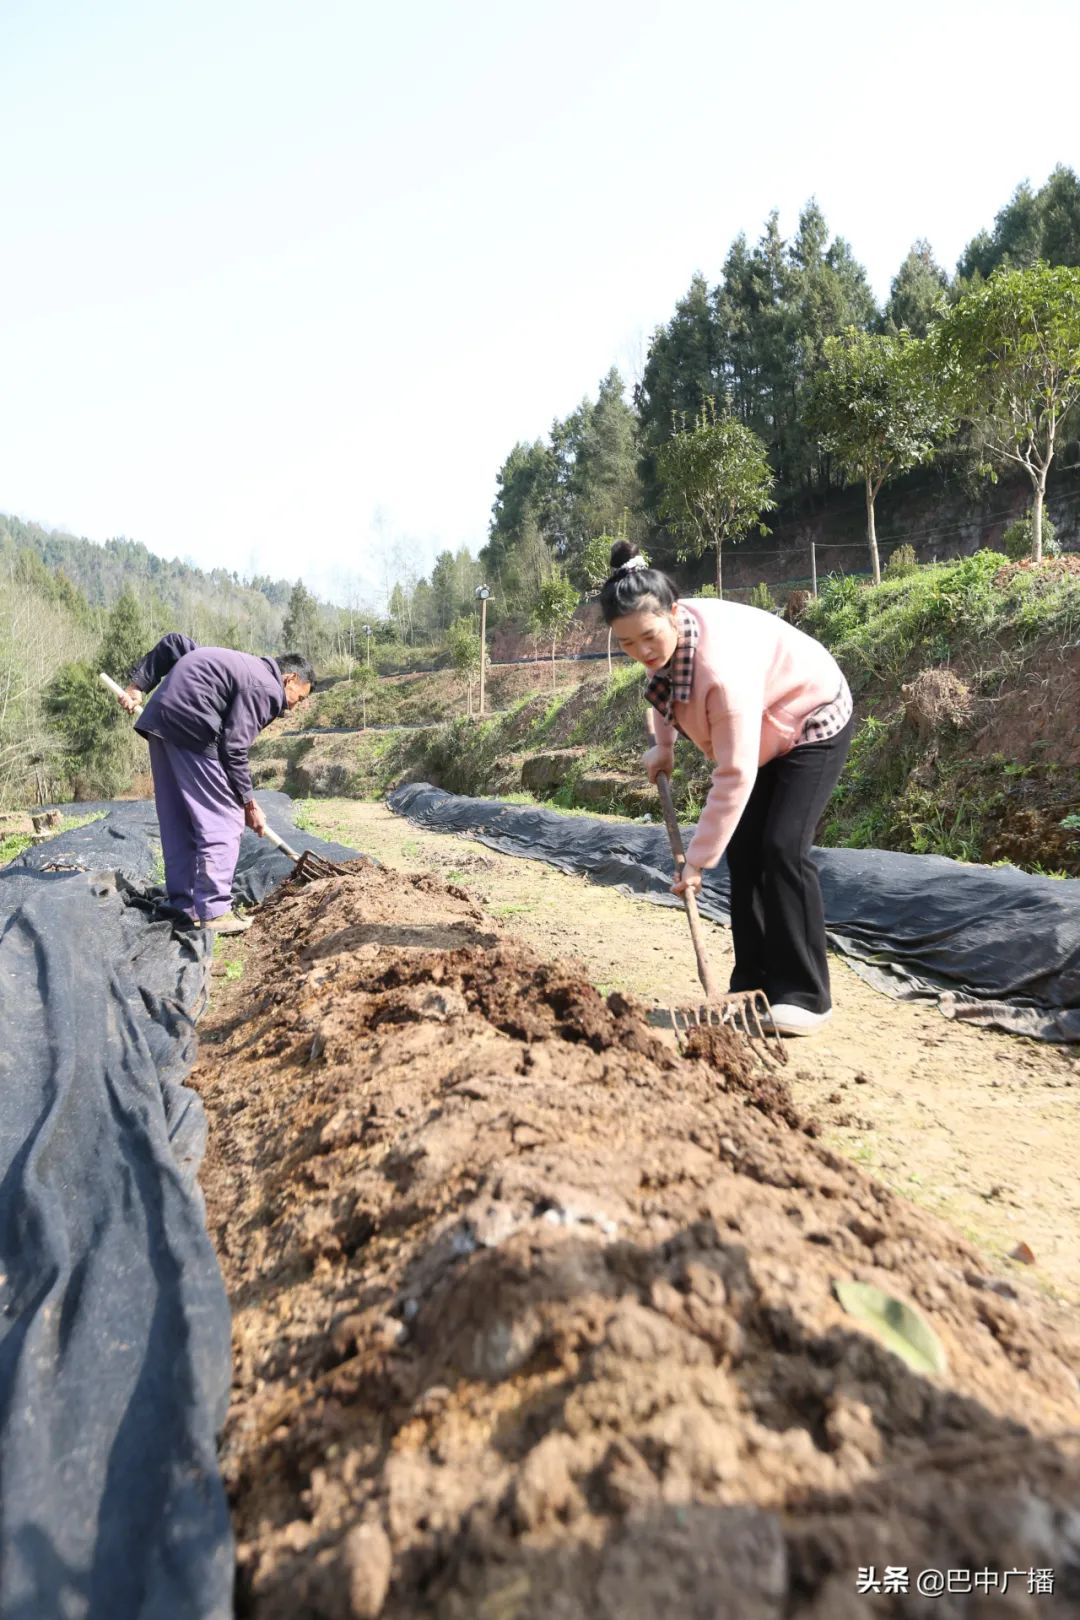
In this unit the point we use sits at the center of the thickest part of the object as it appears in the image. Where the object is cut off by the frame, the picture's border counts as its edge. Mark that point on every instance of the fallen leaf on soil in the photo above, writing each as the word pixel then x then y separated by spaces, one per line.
pixel 1023 1254
pixel 900 1327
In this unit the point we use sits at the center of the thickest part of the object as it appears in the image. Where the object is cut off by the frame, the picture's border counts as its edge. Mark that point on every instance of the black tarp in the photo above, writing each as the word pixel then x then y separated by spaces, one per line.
pixel 114 1329
pixel 991 945
pixel 125 839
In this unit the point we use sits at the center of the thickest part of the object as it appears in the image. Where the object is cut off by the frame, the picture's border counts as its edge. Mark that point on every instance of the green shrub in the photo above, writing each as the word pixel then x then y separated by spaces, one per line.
pixel 839 591
pixel 1016 541
pixel 966 596
pixel 338 666
pixel 902 562
pixel 761 597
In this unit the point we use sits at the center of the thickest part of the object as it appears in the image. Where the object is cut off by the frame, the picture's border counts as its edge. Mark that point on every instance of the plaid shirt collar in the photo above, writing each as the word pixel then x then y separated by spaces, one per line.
pixel 674 683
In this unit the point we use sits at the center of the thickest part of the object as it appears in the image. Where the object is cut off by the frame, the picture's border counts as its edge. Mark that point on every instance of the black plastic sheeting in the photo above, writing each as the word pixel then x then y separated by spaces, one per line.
pixel 126 840
pixel 114 1329
pixel 991 945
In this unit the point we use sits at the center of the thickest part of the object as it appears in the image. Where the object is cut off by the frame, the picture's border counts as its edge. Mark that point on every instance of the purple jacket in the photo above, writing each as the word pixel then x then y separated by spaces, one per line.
pixel 211 701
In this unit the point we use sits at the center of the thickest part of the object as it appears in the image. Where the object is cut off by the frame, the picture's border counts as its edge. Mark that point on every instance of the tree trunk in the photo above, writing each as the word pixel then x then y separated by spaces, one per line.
pixel 1037 517
pixel 871 533
pixel 719 570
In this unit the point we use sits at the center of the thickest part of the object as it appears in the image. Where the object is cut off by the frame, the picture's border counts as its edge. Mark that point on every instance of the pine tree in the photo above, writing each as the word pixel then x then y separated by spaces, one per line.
pixel 125 640
pixel 1033 226
pixel 300 631
pixel 918 294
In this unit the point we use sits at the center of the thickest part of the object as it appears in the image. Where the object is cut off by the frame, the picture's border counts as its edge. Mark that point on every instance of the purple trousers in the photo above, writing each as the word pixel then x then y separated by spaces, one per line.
pixel 201 825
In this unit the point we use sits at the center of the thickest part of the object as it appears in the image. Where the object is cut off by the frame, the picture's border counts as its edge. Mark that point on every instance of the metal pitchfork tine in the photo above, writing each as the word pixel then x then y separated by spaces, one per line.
pixel 309 866
pixel 740 1010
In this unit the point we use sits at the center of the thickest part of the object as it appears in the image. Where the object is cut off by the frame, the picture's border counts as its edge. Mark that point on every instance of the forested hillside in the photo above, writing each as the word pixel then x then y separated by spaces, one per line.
pixel 213 607
pixel 751 342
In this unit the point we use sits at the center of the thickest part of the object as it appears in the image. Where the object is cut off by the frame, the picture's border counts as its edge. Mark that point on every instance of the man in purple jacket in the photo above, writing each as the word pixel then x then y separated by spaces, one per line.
pixel 206 712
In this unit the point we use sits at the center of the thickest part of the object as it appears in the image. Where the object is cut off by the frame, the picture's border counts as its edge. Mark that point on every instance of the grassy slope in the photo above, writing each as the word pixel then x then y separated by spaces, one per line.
pixel 971 790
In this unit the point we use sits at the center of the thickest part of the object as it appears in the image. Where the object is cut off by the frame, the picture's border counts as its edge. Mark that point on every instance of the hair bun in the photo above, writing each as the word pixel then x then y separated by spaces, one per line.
pixel 622 552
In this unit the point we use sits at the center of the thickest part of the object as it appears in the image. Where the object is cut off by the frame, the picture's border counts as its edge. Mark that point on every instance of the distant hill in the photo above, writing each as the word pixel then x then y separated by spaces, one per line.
pixel 214 606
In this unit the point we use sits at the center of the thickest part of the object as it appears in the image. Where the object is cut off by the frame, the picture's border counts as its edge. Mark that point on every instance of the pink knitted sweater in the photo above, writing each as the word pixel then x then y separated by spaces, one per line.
pixel 756 679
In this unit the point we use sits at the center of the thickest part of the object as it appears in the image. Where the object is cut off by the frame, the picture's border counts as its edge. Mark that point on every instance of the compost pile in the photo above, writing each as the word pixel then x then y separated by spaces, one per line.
pixel 534 1319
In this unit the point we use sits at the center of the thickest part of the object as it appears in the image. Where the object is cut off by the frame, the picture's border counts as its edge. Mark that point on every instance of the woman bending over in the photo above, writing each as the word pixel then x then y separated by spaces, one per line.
pixel 771 707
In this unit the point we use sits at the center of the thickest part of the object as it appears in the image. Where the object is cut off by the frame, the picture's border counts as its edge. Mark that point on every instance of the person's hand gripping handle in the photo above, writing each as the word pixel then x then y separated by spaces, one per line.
pixel 128 700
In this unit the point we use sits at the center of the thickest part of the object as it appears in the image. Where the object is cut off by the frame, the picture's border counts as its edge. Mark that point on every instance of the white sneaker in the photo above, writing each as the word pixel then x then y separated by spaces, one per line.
pixel 789 1020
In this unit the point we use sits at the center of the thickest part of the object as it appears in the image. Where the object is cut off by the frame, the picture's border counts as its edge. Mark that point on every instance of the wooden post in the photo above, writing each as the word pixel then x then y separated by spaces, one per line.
pixel 813 565
pixel 483 649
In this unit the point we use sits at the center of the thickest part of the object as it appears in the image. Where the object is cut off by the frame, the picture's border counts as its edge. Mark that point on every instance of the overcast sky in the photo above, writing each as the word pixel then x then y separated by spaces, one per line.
pixel 281 284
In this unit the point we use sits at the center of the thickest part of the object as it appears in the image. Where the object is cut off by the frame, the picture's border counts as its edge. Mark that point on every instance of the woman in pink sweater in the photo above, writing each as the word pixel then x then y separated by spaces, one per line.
pixel 772 708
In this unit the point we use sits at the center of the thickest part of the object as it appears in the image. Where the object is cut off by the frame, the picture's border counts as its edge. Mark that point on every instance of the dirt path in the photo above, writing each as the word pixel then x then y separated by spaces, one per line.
pixel 981 1128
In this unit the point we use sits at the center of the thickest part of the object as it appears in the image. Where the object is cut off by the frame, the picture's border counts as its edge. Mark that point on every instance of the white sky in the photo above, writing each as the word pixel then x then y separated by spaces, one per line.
pixel 281 284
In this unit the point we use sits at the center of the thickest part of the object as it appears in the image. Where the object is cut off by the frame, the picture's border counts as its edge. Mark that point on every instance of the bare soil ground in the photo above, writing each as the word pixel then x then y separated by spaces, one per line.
pixel 979 1127
pixel 534 1320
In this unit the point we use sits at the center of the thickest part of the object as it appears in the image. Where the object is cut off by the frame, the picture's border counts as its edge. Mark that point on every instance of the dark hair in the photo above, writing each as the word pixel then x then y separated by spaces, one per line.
pixel 632 588
pixel 296 664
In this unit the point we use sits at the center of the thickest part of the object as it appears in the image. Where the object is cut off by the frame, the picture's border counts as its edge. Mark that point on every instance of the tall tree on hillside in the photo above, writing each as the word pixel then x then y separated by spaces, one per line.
pixel 301 627
pixel 716 483
pixel 555 606
pixel 564 490
pixel 734 303
pixel 422 609
pixel 1009 351
pixel 446 598
pixel 595 567
pixel 918 294
pixel 466 653
pixel 828 294
pixel 683 366
pixel 1033 226
pixel 525 485
pixel 400 611
pixel 877 408
pixel 469 576
pixel 518 553
pixel 682 371
pixel 126 638
pixel 751 346
pixel 94 731
pixel 770 323
pixel 604 481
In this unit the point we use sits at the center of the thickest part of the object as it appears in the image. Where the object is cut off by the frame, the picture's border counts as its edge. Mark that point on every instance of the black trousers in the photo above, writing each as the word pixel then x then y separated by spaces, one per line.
pixel 777 915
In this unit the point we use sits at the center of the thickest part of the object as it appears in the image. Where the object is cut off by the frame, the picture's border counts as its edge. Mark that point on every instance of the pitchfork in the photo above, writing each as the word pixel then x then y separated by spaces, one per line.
pixel 740 1010
pixel 309 866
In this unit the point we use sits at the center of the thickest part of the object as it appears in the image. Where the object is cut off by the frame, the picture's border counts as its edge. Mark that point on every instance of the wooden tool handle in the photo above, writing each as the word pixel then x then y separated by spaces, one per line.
pixel 118 691
pixel 689 899
pixel 279 843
